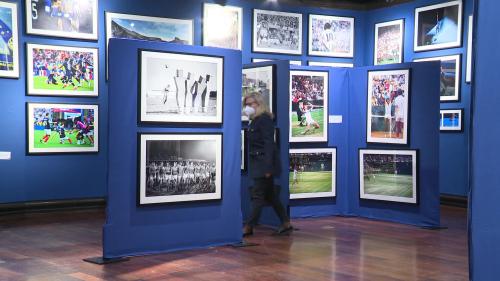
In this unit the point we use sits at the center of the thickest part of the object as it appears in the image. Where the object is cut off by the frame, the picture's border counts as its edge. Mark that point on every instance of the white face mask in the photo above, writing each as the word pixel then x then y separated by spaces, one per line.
pixel 249 111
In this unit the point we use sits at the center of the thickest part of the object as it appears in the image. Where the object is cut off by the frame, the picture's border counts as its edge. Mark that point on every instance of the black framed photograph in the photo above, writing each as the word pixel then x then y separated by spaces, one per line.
pixel 388 107
pixel 62 128
pixel 180 88
pixel 277 32
pixel 62 71
pixel 9 52
pixel 389 42
pixel 331 36
pixel 68 18
pixel 330 64
pixel 388 175
pixel 259 80
pixel 222 26
pixel 243 150
pixel 312 172
pixel 179 168
pixel 451 120
pixel 449 78
pixel 438 26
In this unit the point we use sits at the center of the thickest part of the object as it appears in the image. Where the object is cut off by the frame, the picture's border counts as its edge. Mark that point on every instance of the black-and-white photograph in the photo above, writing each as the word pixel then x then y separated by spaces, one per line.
pixel 277 32
pixel 331 36
pixel 180 88
pixel 180 167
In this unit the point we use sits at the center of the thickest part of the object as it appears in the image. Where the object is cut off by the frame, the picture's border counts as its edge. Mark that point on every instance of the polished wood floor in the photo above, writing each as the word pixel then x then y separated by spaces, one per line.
pixel 51 247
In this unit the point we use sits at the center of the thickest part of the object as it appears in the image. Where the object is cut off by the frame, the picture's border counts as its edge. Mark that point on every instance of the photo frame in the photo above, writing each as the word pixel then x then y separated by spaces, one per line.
pixel 259 79
pixel 438 26
pixel 470 38
pixel 9 56
pixel 388 113
pixel 55 128
pixel 76 20
pixel 179 168
pixel 62 71
pixel 330 64
pixel 222 26
pixel 268 31
pixel 388 175
pixel 180 88
pixel 389 47
pixel 331 36
pixel 244 150
pixel 451 120
pixel 292 62
pixel 308 106
pixel 449 78
pixel 313 173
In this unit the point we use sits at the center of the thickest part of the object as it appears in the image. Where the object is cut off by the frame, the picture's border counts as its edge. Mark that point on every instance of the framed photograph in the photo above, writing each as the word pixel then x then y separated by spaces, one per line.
pixel 451 120
pixel 388 105
pixel 331 36
pixel 292 62
pixel 180 88
pixel 388 175
pixel 179 168
pixel 243 150
pixel 68 18
pixel 222 26
pixel 312 172
pixel 62 71
pixel 389 42
pixel 468 73
pixel 308 106
pixel 438 26
pixel 259 80
pixel 62 128
pixel 330 64
pixel 277 32
pixel 9 51
pixel 450 76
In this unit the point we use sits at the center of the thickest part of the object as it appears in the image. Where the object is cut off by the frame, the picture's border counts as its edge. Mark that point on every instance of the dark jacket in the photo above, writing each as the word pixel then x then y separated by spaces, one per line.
pixel 263 153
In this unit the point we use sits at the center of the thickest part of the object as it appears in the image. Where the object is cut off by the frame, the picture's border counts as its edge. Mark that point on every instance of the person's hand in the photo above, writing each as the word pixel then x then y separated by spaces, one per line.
pixel 268 175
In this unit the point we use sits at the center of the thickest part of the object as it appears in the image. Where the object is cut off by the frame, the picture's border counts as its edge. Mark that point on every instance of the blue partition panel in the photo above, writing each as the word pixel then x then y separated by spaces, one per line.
pixel 132 230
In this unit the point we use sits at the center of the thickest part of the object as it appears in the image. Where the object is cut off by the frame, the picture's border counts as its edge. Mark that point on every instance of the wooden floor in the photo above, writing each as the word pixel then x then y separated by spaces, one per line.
pixel 51 247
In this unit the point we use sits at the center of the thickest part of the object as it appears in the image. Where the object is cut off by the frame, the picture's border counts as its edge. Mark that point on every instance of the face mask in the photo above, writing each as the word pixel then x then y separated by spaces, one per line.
pixel 249 111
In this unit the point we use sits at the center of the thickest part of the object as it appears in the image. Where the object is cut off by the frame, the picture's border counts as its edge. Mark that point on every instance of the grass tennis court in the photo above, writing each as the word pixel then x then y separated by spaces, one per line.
pixel 40 83
pixel 54 140
pixel 311 182
pixel 389 185
pixel 317 115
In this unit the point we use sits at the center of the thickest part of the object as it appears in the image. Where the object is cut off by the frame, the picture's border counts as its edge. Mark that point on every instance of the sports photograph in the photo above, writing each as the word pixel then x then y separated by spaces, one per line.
pixel 308 106
pixel 9 44
pixel 62 71
pixel 389 42
pixel 388 105
pixel 451 120
pixel 388 175
pixel 62 128
pixel 179 167
pixel 331 36
pixel 449 80
pixel 180 88
pixel 312 172
pixel 277 32
pixel 62 18
pixel 222 26
pixel 258 80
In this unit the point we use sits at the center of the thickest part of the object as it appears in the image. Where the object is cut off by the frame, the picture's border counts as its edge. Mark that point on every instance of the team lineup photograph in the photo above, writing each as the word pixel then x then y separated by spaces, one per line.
pixel 277 32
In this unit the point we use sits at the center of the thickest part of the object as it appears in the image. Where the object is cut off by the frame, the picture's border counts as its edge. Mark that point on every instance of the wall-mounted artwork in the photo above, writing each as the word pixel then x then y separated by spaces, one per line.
pixel 277 32
pixel 259 80
pixel 222 26
pixel 9 41
pixel 292 62
pixel 470 38
pixel 450 76
pixel 389 42
pixel 330 64
pixel 331 36
pixel 451 120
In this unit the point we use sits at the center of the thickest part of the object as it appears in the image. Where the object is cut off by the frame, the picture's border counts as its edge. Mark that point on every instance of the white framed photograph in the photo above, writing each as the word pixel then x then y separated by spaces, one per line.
pixel 258 80
pixel 389 42
pixel 438 26
pixel 9 52
pixel 388 107
pixel 313 172
pixel 292 62
pixel 62 128
pixel 468 73
pixel 451 120
pixel 62 71
pixel 331 36
pixel 449 78
pixel 179 168
pixel 180 88
pixel 308 106
pixel 68 18
pixel 388 175
pixel 277 32
pixel 222 26
pixel 330 64
pixel 243 150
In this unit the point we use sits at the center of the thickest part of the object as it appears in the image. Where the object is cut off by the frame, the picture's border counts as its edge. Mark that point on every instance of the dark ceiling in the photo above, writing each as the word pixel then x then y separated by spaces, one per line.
pixel 345 4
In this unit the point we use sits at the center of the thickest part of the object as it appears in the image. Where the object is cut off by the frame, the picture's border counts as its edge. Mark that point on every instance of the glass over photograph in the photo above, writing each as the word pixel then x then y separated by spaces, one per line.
pixel 9 42
pixel 331 36
pixel 222 26
pixel 389 42
pixel 258 80
pixel 449 78
pixel 277 32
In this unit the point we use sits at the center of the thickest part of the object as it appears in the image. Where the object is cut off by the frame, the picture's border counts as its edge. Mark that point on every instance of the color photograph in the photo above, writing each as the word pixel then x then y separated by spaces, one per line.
pixel 451 120
pixel 277 32
pixel 258 80
pixel 222 26
pixel 388 106
pixel 312 173
pixel 179 168
pixel 388 175
pixel 449 78
pixel 308 106
pixel 62 18
pixel 438 26
pixel 62 128
pixel 9 42
pixel 331 36
pixel 389 42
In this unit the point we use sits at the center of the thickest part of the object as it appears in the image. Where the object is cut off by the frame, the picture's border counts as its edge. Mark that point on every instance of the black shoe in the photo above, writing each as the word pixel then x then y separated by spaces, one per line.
pixel 284 230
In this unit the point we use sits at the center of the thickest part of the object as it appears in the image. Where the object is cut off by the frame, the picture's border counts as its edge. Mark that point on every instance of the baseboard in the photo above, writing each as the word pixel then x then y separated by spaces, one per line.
pixel 454 200
pixel 52 205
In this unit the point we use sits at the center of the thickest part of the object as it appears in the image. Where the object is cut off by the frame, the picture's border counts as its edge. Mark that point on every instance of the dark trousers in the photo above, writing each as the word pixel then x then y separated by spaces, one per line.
pixel 263 192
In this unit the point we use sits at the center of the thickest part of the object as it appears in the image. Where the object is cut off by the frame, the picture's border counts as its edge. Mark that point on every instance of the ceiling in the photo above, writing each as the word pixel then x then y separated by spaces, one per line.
pixel 345 4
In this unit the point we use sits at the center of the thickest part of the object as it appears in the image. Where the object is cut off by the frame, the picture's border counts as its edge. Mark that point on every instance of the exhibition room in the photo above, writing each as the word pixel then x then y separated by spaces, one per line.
pixel 249 140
